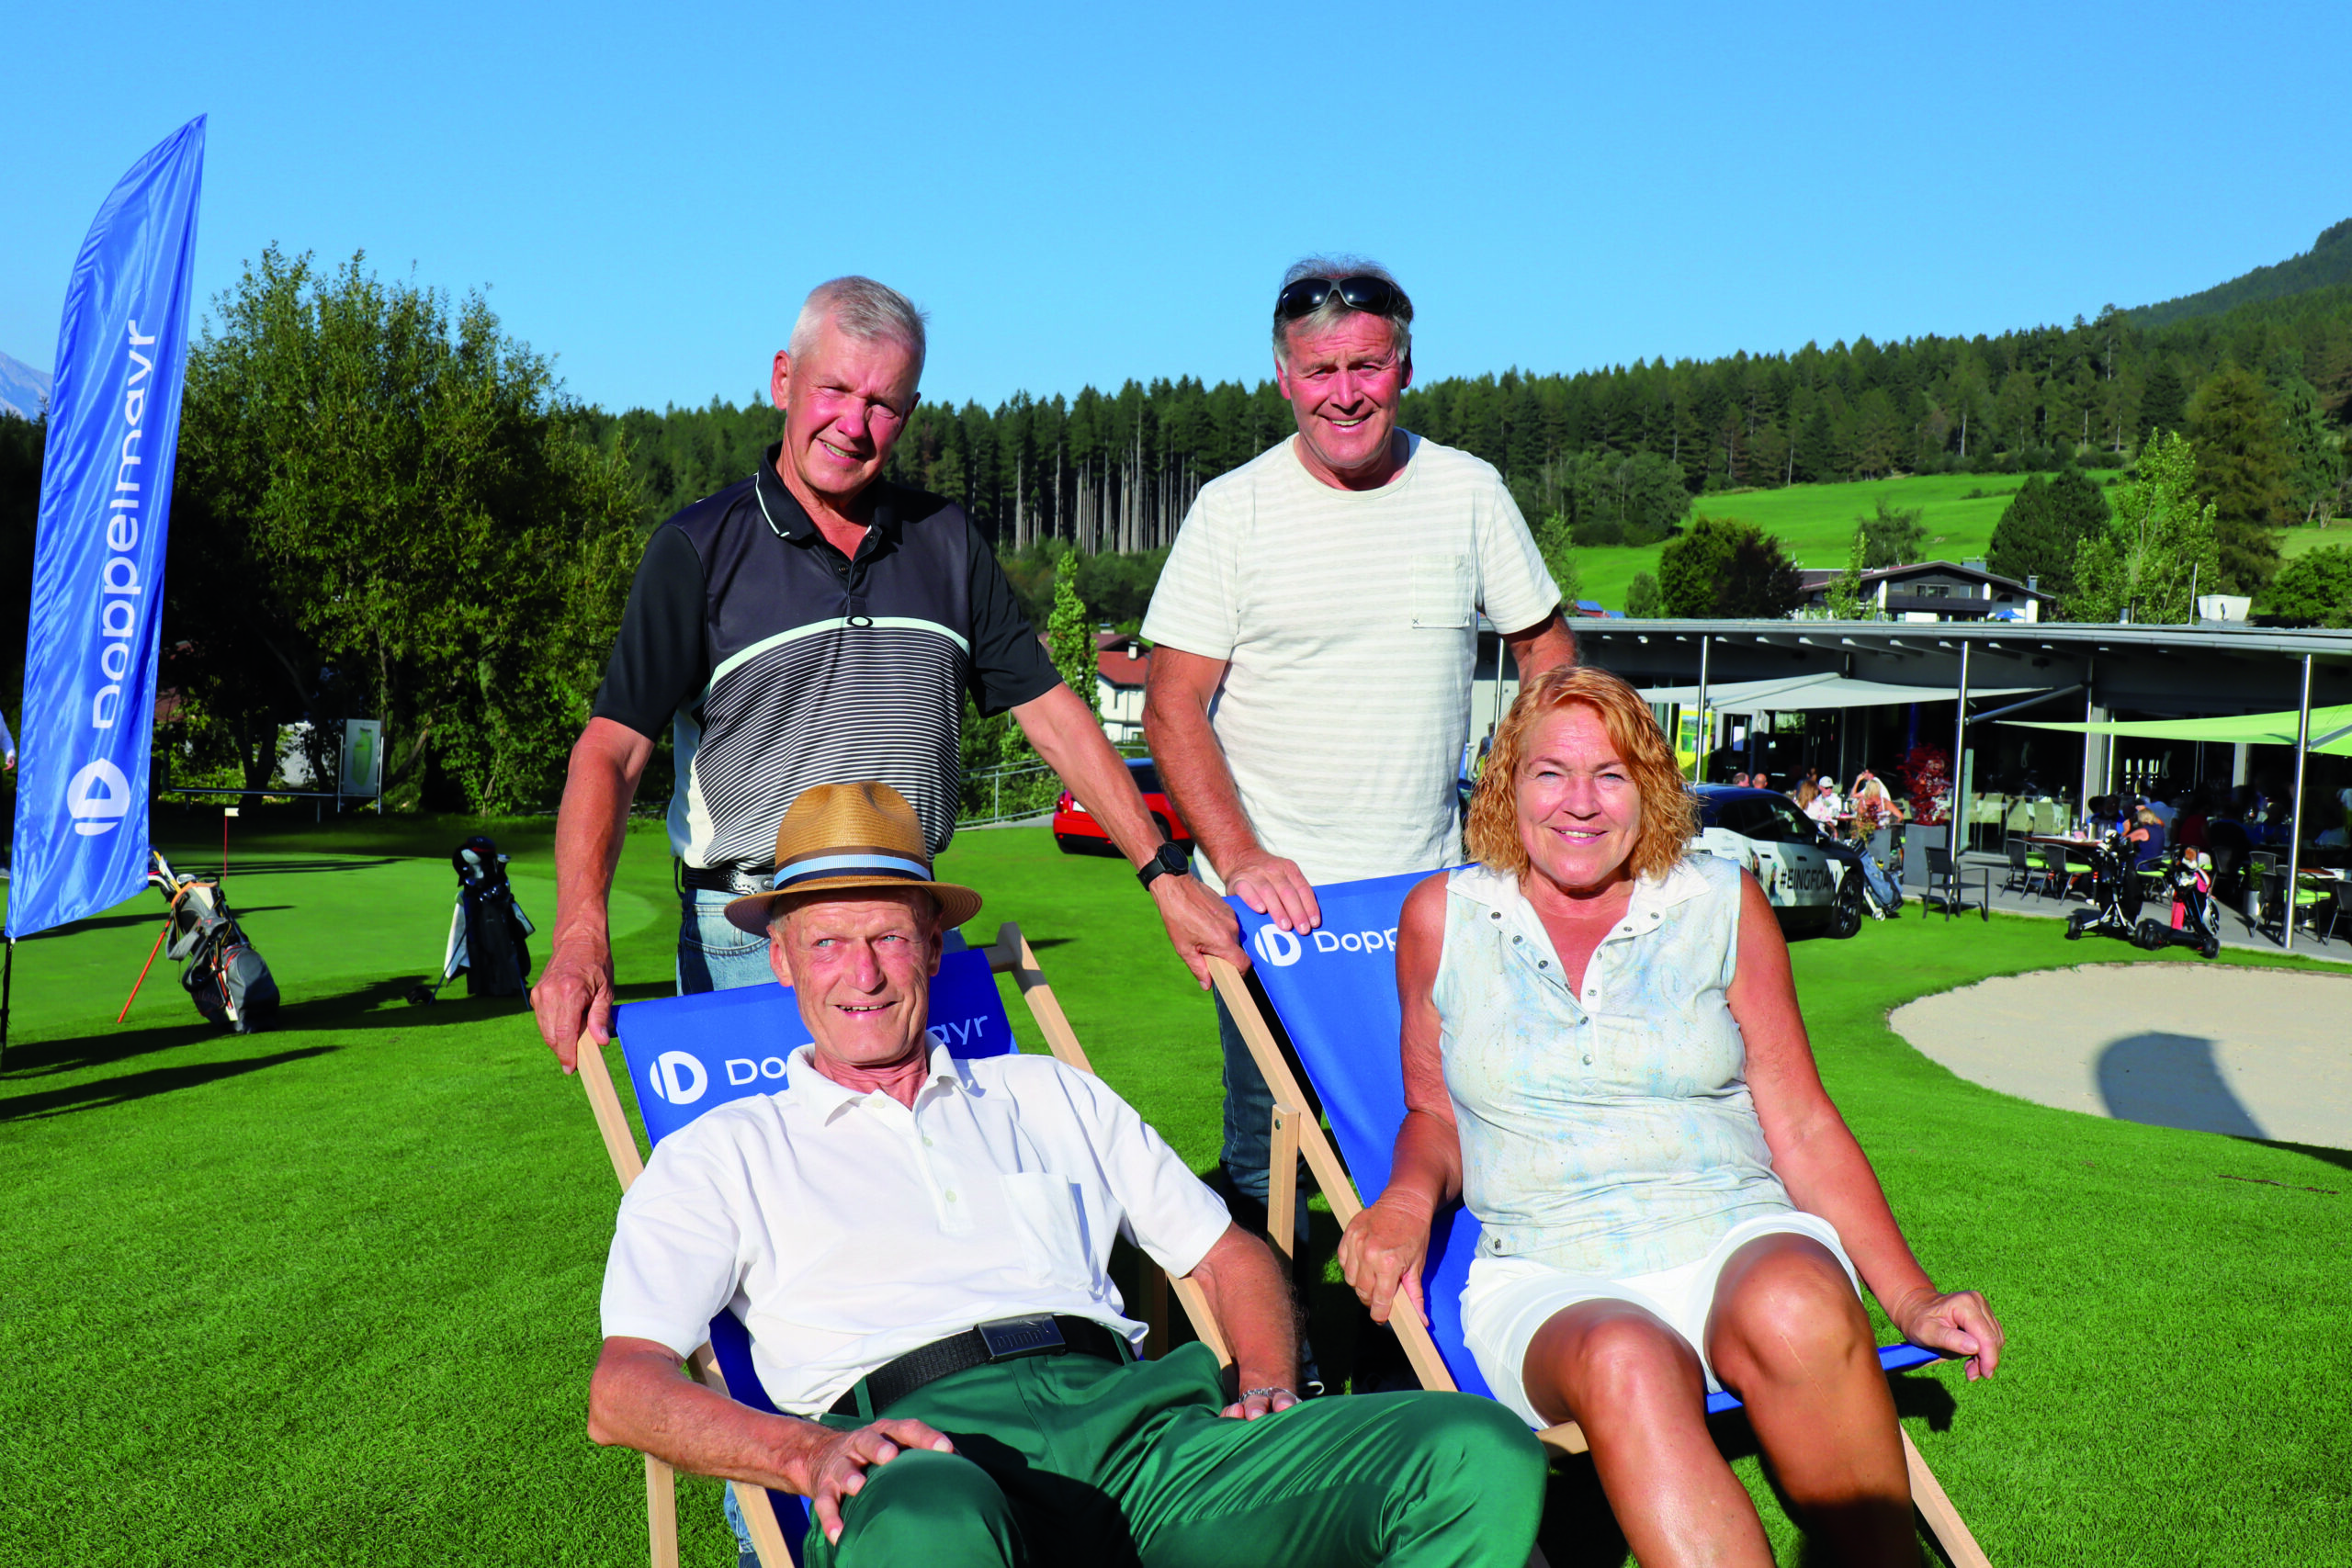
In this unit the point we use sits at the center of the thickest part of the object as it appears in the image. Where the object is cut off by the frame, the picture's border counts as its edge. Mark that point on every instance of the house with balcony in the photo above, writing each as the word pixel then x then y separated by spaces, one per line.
pixel 1934 591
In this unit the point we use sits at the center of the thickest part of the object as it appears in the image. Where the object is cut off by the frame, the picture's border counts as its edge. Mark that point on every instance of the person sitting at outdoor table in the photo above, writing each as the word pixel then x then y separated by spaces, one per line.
pixel 918 1244
pixel 1739 780
pixel 1826 806
pixel 1604 1058
pixel 2147 836
pixel 1805 794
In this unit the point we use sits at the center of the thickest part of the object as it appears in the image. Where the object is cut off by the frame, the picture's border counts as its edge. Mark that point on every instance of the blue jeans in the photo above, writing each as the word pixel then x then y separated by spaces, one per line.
pixel 712 954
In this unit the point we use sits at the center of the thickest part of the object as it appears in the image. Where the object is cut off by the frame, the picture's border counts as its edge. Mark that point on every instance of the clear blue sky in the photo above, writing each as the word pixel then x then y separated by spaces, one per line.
pixel 1087 193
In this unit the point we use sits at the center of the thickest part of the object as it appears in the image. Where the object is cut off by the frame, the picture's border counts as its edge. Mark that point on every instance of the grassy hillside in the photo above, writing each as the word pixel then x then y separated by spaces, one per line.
pixel 2293 542
pixel 1816 523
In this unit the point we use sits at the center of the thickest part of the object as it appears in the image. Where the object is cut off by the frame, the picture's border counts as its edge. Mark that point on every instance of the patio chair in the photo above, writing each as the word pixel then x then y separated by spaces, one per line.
pixel 685 1055
pixel 2309 894
pixel 1332 995
pixel 1947 883
pixel 2023 871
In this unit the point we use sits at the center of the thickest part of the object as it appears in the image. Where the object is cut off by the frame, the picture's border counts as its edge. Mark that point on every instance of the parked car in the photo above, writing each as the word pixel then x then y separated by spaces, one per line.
pixel 1077 831
pixel 1811 883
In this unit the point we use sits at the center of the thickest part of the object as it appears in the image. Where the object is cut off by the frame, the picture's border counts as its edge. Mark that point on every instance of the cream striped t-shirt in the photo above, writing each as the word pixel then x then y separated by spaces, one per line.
pixel 1348 622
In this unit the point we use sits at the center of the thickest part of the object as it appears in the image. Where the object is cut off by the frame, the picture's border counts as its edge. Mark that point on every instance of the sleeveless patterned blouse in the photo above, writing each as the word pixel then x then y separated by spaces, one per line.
pixel 1608 1132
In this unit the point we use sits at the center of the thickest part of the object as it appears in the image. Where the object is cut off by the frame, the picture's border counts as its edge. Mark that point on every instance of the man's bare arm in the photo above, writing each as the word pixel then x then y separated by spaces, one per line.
pixel 1192 766
pixel 1250 1297
pixel 640 1399
pixel 1069 737
pixel 575 990
pixel 1546 645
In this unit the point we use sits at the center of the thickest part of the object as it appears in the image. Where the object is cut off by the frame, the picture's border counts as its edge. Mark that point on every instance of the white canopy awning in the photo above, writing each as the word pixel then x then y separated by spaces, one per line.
pixel 1801 692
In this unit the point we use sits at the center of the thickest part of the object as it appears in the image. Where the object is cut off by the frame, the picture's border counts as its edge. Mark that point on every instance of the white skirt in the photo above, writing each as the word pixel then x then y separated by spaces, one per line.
pixel 1506 1300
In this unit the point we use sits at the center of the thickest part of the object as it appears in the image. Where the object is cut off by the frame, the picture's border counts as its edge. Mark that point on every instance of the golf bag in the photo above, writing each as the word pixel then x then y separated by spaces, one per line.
pixel 221 973
pixel 2196 914
pixel 1880 894
pixel 2115 893
pixel 489 932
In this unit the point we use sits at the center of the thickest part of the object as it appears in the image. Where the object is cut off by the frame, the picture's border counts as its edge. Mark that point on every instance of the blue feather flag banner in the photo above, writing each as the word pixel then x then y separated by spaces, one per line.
pixel 97 598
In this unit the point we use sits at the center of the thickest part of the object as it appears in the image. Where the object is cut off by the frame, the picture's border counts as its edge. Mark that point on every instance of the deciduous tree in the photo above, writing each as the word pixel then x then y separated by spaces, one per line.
pixel 402 486
pixel 1724 567
pixel 2312 590
pixel 1892 535
pixel 2155 551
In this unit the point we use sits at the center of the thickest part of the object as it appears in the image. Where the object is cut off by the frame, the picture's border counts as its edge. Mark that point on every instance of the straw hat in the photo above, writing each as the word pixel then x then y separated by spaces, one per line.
pixel 842 836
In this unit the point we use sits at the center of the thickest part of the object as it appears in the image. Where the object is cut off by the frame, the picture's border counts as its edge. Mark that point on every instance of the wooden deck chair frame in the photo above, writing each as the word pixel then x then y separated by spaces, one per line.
pixel 1296 1132
pixel 1010 953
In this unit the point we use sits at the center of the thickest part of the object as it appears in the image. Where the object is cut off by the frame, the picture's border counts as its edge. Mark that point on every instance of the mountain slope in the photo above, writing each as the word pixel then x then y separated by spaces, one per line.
pixel 23 389
pixel 2329 260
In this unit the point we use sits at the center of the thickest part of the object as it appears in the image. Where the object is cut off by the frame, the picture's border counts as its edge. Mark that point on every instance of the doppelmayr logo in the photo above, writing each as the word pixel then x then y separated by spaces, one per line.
pixel 97 797
pixel 1281 949
pixel 681 1079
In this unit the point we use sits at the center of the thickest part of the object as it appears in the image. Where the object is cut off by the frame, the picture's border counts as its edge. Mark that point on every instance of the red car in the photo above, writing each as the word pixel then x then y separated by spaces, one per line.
pixel 1079 833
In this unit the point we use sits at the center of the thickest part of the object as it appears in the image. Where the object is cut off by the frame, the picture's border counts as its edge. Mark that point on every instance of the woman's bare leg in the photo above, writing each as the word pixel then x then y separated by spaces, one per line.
pixel 1637 1390
pixel 1788 1335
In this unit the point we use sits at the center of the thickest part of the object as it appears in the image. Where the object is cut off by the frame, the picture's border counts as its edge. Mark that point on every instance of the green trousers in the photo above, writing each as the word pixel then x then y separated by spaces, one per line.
pixel 1068 1460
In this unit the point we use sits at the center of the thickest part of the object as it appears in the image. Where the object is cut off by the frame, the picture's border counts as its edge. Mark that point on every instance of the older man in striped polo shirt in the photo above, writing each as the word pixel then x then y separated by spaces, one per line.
pixel 1316 626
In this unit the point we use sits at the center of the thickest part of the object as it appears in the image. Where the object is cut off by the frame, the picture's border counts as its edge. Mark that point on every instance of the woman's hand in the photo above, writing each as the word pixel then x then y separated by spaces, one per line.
pixel 1383 1250
pixel 1958 1322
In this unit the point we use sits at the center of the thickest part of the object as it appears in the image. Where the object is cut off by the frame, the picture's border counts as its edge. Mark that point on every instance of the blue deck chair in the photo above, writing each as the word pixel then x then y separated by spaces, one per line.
pixel 1333 991
pixel 685 1055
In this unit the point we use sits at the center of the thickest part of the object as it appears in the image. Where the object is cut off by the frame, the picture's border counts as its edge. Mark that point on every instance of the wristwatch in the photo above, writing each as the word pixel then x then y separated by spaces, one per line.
pixel 1170 862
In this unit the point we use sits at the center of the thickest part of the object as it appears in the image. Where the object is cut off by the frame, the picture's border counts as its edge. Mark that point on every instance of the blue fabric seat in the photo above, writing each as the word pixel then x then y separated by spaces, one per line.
pixel 1334 996
pixel 685 1055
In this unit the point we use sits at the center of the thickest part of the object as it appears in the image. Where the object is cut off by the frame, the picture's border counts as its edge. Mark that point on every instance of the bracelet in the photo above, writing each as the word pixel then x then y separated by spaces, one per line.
pixel 1248 1394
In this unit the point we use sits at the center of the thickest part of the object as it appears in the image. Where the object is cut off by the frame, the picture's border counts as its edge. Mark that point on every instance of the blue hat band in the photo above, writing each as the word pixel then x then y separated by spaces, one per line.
pixel 894 866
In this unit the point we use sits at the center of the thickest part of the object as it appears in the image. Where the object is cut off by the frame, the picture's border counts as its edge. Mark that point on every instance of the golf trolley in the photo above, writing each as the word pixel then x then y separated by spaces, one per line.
pixel 2115 893
pixel 2117 898
pixel 2196 913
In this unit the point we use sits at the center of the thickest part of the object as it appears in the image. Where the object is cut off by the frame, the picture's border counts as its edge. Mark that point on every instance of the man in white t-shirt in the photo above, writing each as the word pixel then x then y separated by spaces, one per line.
pixel 918 1246
pixel 1315 632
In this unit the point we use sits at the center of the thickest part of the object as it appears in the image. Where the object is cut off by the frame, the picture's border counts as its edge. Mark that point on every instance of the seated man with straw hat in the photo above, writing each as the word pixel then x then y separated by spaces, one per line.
pixel 918 1244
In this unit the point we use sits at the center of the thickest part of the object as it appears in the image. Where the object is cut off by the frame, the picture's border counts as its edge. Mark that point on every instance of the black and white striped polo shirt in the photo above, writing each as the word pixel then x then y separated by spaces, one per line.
pixel 779 664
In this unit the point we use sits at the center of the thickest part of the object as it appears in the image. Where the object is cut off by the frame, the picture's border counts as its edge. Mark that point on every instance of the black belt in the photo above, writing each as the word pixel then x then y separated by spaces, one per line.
pixel 1006 1339
pixel 723 879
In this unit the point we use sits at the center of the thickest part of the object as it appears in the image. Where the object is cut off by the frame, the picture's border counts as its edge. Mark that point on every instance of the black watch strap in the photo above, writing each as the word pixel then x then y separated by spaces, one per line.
pixel 1170 862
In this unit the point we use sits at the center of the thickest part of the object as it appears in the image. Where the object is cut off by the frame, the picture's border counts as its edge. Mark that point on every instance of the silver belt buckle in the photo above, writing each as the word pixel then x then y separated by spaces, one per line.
pixel 1010 1339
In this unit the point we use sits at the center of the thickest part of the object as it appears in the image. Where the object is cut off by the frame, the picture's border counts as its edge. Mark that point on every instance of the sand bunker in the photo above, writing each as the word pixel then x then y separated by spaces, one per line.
pixel 2258 1053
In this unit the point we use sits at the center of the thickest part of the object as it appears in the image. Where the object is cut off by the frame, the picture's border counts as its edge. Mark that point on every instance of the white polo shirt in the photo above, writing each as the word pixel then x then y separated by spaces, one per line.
pixel 1347 621
pixel 846 1229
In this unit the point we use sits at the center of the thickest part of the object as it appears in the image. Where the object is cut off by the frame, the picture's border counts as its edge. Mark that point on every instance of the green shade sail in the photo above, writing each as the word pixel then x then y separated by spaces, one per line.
pixel 2331 729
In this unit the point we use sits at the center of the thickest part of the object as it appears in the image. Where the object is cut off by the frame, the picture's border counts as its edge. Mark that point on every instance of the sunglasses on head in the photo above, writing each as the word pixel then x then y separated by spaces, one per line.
pixel 1375 296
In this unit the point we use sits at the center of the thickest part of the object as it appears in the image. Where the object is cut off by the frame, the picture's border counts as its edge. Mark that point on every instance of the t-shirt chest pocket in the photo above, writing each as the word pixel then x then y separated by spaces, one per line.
pixel 1439 592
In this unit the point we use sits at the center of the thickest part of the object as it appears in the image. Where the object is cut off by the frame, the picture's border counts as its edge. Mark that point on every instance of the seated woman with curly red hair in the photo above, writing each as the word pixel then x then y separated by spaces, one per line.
pixel 1604 1058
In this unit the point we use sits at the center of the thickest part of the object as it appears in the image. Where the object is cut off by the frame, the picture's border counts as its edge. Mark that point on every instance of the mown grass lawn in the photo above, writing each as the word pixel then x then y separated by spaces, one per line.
pixel 328 1295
